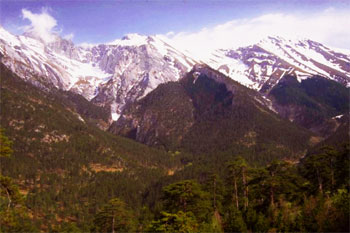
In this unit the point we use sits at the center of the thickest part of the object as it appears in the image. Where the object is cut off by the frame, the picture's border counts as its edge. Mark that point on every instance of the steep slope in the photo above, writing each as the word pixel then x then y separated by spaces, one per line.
pixel 138 64
pixel 315 103
pixel 206 112
pixel 67 167
pixel 46 64
pixel 117 73
pixel 338 138
pixel 111 74
pixel 262 65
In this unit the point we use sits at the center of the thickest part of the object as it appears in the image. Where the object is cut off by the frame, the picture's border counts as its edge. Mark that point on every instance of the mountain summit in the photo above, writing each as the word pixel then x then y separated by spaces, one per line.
pixel 110 74
pixel 262 65
pixel 122 71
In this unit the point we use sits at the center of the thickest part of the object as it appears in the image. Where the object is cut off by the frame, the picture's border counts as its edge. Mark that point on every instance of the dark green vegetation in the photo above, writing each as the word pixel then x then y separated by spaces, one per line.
pixel 206 113
pixel 68 169
pixel 63 174
pixel 311 103
pixel 312 196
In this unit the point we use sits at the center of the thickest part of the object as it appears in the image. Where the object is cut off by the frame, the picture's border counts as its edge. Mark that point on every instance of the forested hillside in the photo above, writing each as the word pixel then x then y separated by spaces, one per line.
pixel 208 113
pixel 66 167
pixel 61 173
pixel 315 103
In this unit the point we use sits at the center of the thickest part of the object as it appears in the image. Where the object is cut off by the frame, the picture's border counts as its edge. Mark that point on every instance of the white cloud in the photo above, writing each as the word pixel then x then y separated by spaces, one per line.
pixel 42 25
pixel 69 36
pixel 169 34
pixel 329 27
pixel 87 45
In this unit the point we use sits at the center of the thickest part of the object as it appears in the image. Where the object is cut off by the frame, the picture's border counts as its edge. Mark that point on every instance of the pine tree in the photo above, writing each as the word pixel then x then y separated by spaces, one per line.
pixel 178 222
pixel 187 196
pixel 114 217
pixel 13 212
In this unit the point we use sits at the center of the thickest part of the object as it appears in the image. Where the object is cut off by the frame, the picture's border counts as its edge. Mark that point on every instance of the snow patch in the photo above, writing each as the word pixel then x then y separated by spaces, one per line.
pixel 115 116
pixel 338 117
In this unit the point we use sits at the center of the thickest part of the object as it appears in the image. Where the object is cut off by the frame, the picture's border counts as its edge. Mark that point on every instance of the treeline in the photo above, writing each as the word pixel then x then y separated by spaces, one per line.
pixel 309 196
pixel 63 175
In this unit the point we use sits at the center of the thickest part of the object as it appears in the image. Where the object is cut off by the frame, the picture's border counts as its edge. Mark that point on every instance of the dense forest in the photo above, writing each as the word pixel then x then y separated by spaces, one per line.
pixel 312 196
pixel 61 173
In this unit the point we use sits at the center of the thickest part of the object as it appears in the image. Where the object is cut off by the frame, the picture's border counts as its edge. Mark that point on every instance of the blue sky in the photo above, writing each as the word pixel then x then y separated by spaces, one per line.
pixel 101 21
pixel 106 20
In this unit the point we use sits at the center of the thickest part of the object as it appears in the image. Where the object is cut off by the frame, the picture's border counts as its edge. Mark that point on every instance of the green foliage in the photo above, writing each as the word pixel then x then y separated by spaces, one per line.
pixel 215 187
pixel 67 167
pixel 233 220
pixel 262 224
pixel 13 212
pixel 341 203
pixel 187 196
pixel 68 227
pixel 114 217
pixel 312 102
pixel 211 115
pixel 327 169
pixel 5 145
pixel 177 222
pixel 10 196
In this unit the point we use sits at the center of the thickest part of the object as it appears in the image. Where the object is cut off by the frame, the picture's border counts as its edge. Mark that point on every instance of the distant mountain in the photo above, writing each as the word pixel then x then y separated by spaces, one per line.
pixel 207 112
pixel 108 74
pixel 118 73
pixel 262 65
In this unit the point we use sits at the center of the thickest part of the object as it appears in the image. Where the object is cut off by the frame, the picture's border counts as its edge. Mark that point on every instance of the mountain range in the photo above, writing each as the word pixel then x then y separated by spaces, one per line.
pixel 117 73
pixel 89 124
pixel 108 74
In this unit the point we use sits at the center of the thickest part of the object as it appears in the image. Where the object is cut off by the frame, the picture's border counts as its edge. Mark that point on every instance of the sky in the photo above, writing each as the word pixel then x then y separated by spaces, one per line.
pixel 190 24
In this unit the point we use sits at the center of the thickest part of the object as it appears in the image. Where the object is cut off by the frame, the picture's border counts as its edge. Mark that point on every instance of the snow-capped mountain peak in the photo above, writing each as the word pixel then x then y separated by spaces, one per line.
pixel 260 66
pixel 132 39
pixel 111 74
pixel 120 72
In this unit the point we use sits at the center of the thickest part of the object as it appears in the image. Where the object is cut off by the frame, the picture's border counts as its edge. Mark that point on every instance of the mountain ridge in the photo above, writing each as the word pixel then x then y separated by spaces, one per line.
pixel 128 67
pixel 262 65
pixel 125 70
pixel 206 112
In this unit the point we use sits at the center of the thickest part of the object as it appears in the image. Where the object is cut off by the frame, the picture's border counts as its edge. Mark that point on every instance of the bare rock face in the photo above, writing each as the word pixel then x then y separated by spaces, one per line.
pixel 65 47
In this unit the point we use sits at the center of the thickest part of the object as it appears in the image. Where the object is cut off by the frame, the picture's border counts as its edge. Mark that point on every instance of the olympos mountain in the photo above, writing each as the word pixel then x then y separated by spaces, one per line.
pixel 147 134
pixel 125 70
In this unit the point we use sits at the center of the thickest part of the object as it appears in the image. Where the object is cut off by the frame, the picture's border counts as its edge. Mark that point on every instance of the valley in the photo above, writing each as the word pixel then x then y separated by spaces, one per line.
pixel 135 135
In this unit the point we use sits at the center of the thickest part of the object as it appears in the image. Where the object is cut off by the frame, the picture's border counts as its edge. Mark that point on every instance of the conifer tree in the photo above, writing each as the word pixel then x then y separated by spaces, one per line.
pixel 114 217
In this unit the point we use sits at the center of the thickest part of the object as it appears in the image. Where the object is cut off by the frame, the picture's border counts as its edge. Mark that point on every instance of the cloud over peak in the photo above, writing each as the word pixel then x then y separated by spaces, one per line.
pixel 328 27
pixel 42 25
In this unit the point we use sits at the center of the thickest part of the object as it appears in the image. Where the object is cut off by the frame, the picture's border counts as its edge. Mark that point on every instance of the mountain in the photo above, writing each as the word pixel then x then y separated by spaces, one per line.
pixel 64 165
pixel 124 70
pixel 209 113
pixel 67 175
pixel 262 65
pixel 139 64
pixel 118 73
pixel 109 75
